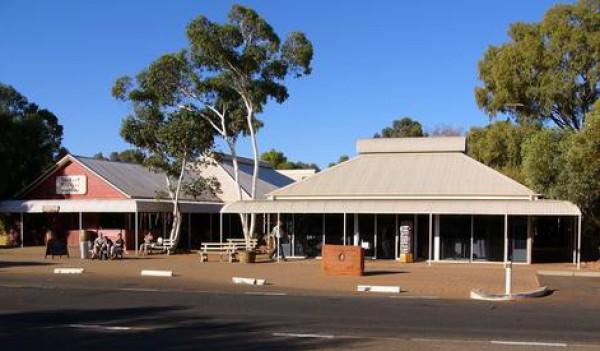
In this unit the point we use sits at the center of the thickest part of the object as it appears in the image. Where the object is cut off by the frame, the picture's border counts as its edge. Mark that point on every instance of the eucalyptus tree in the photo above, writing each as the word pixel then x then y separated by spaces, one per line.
pixel 169 140
pixel 402 128
pixel 547 71
pixel 30 140
pixel 226 76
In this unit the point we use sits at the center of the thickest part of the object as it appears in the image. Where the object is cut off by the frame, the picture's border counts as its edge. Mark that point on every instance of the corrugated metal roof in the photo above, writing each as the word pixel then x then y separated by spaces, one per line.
pixel 464 207
pixel 135 180
pixel 412 175
pixel 268 179
pixel 416 144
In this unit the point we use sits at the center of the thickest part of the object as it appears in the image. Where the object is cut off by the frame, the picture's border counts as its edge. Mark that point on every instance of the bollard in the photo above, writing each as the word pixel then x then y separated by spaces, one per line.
pixel 508 278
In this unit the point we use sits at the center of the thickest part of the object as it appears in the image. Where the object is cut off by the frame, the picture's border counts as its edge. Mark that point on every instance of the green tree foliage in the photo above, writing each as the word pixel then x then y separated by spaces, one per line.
pixel 402 128
pixel 446 130
pixel 30 141
pixel 226 76
pixel 170 141
pixel 342 158
pixel 548 71
pixel 278 160
pixel 130 156
pixel 544 164
pixel 498 145
pixel 566 165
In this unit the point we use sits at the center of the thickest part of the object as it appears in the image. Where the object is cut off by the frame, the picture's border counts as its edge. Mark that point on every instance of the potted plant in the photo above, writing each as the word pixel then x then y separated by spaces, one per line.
pixel 247 256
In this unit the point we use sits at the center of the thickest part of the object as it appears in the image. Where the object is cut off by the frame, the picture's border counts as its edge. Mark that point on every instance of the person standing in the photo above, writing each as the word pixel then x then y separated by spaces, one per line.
pixel 281 237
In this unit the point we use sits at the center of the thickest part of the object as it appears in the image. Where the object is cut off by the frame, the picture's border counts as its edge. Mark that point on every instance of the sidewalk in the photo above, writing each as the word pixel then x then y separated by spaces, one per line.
pixel 442 280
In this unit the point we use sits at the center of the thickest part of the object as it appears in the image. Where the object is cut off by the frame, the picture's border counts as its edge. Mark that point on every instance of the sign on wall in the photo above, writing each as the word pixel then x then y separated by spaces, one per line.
pixel 72 185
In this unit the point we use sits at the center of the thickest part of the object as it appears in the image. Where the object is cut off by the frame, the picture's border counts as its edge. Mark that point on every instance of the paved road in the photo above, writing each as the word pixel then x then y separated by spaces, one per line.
pixel 54 317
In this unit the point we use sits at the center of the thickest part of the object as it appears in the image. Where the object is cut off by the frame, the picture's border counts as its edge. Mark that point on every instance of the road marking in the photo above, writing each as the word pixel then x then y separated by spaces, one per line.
pixel 265 293
pixel 300 335
pixel 529 343
pixel 105 327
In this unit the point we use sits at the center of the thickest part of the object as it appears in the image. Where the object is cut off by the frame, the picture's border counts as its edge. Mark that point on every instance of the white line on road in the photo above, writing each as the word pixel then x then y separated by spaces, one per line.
pixel 265 293
pixel 528 343
pixel 105 327
pixel 300 335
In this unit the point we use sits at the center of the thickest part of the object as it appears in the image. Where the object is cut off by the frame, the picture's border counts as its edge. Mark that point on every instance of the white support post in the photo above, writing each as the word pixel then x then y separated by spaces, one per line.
pixel 293 235
pixel 356 231
pixel 430 237
pixel 415 235
pixel 220 227
pixel 472 233
pixel 279 234
pixel 137 233
pixel 190 228
pixel 508 278
pixel 375 238
pixel 505 238
pixel 396 236
pixel 529 239
pixel 436 238
pixel 344 234
pixel 21 228
pixel 579 242
pixel 323 229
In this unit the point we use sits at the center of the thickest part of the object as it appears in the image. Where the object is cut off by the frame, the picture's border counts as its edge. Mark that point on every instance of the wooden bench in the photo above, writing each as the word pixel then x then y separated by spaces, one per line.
pixel 229 249
pixel 240 244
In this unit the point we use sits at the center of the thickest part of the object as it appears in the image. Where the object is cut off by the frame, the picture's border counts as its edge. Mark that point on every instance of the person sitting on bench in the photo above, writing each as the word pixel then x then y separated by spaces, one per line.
pixel 117 248
pixel 99 245
pixel 148 238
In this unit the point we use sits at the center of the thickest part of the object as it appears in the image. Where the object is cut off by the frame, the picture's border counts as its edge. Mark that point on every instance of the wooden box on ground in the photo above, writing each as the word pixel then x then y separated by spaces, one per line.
pixel 343 260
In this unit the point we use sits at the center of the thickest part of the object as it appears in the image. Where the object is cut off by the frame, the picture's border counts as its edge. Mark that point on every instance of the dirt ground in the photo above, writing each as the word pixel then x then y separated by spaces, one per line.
pixel 442 280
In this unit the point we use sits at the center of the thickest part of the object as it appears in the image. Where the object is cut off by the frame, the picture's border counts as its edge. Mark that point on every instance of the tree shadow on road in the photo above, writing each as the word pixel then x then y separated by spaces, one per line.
pixel 165 328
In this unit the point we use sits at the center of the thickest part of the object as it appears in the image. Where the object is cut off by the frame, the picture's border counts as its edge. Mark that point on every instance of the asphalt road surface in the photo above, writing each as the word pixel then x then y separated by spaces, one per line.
pixel 94 318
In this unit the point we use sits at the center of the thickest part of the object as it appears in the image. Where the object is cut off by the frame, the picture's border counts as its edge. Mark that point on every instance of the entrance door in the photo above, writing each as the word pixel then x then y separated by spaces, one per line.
pixel 517 239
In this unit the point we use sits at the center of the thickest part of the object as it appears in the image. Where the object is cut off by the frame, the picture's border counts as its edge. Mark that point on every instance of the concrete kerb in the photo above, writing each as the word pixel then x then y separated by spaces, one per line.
pixel 156 273
pixel 248 281
pixel 478 294
pixel 569 274
pixel 379 289
pixel 68 270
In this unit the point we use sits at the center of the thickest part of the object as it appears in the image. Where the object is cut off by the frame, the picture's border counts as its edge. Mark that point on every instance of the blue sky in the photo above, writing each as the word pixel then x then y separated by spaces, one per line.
pixel 374 61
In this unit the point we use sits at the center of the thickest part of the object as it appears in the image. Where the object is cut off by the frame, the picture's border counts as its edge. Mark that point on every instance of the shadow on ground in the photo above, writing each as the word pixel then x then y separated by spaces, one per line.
pixel 168 328
pixel 382 272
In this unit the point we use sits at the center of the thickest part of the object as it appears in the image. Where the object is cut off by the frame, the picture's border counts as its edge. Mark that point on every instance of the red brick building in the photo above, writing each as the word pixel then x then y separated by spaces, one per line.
pixel 80 193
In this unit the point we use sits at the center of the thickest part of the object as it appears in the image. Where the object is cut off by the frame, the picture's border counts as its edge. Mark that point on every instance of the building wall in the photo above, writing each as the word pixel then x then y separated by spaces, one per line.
pixel 96 187
pixel 228 191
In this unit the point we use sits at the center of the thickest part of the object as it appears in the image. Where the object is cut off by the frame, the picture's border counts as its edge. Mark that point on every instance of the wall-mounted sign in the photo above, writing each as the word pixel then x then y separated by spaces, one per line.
pixel 76 185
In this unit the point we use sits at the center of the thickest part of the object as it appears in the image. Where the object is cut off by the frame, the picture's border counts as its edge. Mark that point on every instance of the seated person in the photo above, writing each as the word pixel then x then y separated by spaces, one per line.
pixel 148 238
pixel 108 247
pixel 99 245
pixel 117 248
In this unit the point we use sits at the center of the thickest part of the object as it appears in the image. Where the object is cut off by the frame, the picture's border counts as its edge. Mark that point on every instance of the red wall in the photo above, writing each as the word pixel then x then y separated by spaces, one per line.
pixel 96 187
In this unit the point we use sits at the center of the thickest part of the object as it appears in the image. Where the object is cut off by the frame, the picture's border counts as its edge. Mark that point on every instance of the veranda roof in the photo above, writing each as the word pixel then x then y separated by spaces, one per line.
pixel 104 206
pixel 463 207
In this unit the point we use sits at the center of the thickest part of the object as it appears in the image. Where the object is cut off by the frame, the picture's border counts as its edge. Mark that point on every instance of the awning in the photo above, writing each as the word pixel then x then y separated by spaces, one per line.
pixel 104 206
pixel 463 207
